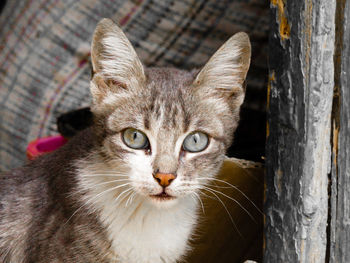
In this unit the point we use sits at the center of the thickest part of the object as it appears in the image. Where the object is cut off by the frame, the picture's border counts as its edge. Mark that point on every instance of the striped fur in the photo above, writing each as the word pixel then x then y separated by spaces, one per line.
pixel 91 201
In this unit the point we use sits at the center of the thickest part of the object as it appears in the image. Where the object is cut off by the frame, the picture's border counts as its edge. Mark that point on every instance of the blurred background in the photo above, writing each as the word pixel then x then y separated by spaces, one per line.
pixel 45 65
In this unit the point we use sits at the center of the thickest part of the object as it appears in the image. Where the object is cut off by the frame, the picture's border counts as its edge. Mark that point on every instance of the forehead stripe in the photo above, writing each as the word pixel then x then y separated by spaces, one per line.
pixel 186 115
pixel 146 120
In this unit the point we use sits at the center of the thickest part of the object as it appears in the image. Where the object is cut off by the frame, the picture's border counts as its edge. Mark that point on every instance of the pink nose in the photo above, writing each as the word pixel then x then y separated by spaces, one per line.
pixel 164 179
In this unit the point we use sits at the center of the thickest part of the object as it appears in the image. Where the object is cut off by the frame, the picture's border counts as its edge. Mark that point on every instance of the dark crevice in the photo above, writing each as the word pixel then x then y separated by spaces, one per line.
pixel 2 5
pixel 335 120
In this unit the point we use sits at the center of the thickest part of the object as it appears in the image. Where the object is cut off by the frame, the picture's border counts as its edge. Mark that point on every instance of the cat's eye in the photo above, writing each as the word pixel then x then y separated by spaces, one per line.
pixel 135 139
pixel 196 142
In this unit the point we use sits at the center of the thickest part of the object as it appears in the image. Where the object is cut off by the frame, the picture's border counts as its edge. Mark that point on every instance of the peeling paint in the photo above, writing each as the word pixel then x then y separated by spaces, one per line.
pixel 284 27
pixel 269 84
pixel 335 143
pixel 272 78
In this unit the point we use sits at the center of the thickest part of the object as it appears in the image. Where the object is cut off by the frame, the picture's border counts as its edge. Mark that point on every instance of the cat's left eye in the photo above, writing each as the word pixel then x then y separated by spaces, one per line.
pixel 135 139
pixel 196 142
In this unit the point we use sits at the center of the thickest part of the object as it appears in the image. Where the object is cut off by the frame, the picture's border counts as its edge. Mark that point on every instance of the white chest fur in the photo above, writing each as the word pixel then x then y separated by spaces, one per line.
pixel 143 233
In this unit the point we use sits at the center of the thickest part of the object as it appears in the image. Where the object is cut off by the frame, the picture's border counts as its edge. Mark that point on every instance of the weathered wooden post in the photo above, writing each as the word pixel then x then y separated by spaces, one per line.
pixel 298 153
pixel 339 234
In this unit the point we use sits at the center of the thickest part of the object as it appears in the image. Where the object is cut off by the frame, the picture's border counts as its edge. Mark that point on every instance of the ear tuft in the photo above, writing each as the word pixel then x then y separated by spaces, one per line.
pixel 226 70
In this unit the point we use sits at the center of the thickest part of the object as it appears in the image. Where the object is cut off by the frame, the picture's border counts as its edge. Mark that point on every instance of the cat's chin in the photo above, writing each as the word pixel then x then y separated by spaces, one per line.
pixel 163 201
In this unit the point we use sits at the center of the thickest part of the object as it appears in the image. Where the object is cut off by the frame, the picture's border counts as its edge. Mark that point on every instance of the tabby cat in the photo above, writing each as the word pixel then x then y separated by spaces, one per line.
pixel 126 190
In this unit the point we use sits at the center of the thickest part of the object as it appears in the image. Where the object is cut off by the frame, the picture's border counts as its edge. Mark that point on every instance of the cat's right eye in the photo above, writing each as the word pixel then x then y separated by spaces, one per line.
pixel 135 139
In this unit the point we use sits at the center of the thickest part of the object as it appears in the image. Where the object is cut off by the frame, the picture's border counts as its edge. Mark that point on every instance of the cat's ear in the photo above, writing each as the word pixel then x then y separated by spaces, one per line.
pixel 225 72
pixel 114 62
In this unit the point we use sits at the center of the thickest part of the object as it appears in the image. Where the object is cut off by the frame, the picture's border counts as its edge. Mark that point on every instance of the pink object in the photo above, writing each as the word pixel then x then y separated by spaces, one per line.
pixel 44 145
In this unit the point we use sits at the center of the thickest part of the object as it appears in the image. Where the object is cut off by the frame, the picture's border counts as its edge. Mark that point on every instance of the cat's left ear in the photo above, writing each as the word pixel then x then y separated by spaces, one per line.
pixel 225 72
pixel 116 66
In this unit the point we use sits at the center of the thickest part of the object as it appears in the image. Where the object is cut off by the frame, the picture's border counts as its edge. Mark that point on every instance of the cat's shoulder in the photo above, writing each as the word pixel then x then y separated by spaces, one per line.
pixel 58 164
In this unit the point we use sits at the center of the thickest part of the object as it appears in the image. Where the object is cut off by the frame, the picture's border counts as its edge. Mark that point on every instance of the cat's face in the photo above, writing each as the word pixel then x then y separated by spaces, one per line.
pixel 169 129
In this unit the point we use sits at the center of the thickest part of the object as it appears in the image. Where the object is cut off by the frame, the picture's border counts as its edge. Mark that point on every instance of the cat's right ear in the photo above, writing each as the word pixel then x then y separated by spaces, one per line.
pixel 225 72
pixel 116 67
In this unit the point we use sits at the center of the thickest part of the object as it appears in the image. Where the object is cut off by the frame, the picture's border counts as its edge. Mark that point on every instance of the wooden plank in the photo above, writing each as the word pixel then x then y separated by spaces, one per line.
pixel 340 198
pixel 298 151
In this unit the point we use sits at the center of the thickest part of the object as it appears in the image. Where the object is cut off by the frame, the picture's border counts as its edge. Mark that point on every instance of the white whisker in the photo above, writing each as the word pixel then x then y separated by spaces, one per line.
pixel 130 196
pixel 200 200
pixel 234 200
pixel 207 196
pixel 239 190
pixel 112 181
pixel 101 175
pixel 93 198
pixel 129 189
pixel 223 204
pixel 218 186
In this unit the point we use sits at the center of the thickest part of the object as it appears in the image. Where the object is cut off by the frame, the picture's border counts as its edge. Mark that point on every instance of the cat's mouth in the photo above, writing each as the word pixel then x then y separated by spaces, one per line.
pixel 163 196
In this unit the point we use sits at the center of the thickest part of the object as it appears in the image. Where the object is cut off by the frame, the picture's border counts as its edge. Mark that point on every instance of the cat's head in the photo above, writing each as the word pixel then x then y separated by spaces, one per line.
pixel 168 128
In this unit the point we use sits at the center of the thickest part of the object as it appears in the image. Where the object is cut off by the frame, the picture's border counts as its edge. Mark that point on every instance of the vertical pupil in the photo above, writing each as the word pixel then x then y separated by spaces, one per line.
pixel 134 136
pixel 195 138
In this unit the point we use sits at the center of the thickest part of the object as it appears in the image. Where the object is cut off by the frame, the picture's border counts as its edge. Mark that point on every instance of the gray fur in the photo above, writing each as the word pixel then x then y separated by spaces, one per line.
pixel 42 212
pixel 36 201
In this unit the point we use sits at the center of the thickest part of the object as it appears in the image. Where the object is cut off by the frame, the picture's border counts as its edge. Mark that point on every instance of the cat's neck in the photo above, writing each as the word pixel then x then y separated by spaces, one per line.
pixel 139 231
pixel 144 233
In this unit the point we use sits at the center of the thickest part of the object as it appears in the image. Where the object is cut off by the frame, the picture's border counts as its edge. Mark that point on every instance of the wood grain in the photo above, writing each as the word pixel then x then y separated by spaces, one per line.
pixel 339 234
pixel 298 153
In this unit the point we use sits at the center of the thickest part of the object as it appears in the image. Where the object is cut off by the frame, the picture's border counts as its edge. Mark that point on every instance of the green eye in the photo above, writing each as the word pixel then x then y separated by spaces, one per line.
pixel 196 142
pixel 135 139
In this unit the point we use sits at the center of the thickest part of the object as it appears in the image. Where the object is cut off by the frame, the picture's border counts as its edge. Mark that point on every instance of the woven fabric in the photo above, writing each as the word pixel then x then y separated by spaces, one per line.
pixel 44 53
